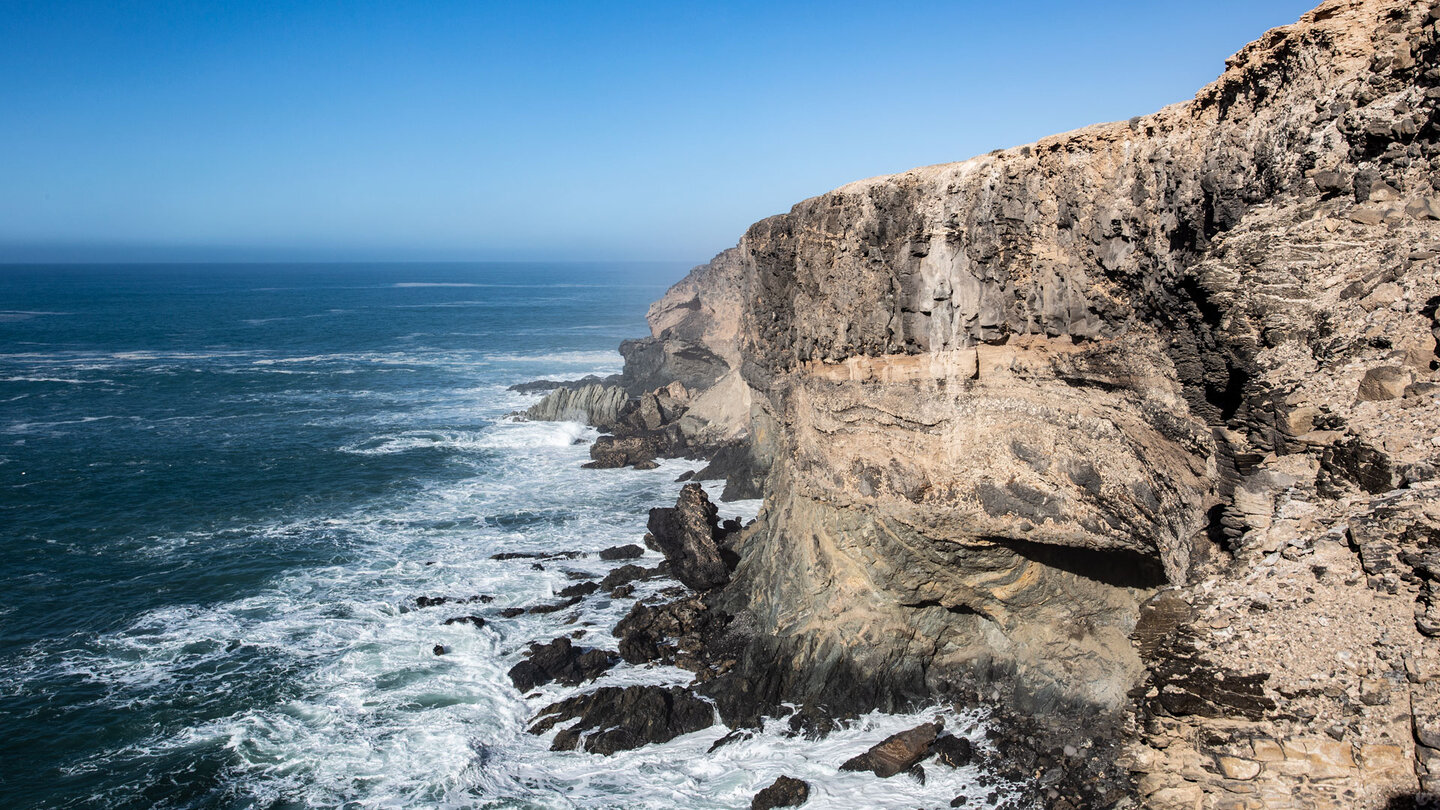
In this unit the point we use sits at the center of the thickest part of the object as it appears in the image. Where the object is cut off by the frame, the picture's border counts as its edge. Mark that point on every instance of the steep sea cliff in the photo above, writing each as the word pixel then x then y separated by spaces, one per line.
pixel 1131 432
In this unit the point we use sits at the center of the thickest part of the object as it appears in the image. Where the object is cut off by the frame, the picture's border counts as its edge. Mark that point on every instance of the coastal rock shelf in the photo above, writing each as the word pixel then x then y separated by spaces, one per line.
pixel 1129 432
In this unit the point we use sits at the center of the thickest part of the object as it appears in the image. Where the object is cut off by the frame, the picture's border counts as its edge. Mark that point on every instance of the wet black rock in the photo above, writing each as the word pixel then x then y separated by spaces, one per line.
pixel 555 607
pixel 953 751
pixel 737 735
pixel 614 719
pixel 681 632
pixel 439 649
pixel 625 552
pixel 625 574
pixel 689 536
pixel 895 753
pixel 475 620
pixel 580 589
pixel 544 386
pixel 559 661
pixel 511 612
pixel 436 601
pixel 622 591
pixel 783 792
pixel 536 555
pixel 743 473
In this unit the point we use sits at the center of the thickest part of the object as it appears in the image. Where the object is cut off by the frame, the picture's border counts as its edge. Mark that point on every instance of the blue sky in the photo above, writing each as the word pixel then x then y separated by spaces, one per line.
pixel 535 130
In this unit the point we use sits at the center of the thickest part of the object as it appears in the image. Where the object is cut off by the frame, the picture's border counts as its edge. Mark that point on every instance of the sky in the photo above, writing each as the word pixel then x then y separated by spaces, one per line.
pixel 534 130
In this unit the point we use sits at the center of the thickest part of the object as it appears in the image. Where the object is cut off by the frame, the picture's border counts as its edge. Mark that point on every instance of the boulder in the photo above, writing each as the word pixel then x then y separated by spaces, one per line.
pixel 896 753
pixel 783 792
pixel 1382 383
pixel 623 718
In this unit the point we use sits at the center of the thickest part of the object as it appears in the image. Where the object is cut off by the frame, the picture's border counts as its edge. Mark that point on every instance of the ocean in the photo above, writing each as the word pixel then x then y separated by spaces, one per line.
pixel 222 490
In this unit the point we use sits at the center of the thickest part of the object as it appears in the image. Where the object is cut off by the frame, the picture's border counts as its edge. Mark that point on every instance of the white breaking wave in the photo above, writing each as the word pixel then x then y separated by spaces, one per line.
pixel 363 714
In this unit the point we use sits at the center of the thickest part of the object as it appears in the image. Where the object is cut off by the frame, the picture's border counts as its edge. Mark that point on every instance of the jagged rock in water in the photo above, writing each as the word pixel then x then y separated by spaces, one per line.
pixel 579 589
pixel 896 753
pixel 618 719
pixel 783 792
pixel 953 751
pixel 543 386
pixel 689 535
pixel 475 620
pixel 685 627
pixel 594 404
pixel 625 552
pixel 558 661
pixel 624 575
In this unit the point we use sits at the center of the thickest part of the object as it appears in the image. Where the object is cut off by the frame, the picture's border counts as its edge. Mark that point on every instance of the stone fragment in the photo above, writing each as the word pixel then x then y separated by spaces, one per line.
pixel 1367 215
pixel 1383 383
pixel 1423 208
pixel 1329 182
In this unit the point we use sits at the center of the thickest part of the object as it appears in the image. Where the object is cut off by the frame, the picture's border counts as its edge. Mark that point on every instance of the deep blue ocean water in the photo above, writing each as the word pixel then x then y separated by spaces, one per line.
pixel 222 489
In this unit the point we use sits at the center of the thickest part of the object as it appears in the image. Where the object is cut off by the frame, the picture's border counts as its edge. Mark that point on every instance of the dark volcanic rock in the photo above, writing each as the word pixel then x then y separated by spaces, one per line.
pixel 511 612
pixel 542 386
pixel 895 753
pixel 624 718
pixel 580 589
pixel 555 607
pixel 783 792
pixel 743 472
pixel 475 620
pixel 558 661
pixel 625 552
pixel 682 629
pixel 625 574
pixel 688 534
pixel 436 601
pixel 953 751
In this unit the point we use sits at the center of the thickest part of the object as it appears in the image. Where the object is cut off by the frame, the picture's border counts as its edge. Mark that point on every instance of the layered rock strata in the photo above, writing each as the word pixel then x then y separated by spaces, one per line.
pixel 1046 427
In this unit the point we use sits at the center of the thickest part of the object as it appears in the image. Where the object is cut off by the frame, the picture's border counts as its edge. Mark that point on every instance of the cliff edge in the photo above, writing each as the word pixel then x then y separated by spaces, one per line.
pixel 1136 424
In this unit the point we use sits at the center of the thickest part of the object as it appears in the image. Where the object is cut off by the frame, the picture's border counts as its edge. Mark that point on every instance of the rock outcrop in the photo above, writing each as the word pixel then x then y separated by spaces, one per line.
pixel 616 718
pixel 595 404
pixel 690 537
pixel 999 406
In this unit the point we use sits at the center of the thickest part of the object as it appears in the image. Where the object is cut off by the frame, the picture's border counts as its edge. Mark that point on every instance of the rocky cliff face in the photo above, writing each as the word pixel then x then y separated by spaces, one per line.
pixel 1046 426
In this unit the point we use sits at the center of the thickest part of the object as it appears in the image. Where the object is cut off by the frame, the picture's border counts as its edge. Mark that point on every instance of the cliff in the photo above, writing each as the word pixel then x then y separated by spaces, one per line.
pixel 1134 424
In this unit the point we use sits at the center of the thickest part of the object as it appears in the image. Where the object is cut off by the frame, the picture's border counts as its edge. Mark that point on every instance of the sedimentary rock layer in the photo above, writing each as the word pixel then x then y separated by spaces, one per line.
pixel 1003 403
